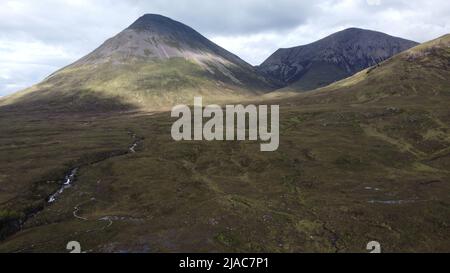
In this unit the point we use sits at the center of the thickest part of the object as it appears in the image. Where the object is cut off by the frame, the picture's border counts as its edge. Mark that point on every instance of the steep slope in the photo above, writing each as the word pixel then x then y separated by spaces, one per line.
pixel 419 74
pixel 156 62
pixel 333 58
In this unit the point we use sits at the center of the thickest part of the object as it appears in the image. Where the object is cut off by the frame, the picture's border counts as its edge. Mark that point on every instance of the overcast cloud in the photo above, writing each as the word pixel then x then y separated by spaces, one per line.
pixel 39 37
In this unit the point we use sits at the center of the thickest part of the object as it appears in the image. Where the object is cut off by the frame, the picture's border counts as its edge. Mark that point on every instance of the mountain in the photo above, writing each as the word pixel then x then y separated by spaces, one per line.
pixel 420 74
pixel 156 62
pixel 333 58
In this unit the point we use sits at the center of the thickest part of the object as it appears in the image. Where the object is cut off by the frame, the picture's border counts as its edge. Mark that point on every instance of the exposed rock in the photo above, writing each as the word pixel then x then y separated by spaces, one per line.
pixel 333 58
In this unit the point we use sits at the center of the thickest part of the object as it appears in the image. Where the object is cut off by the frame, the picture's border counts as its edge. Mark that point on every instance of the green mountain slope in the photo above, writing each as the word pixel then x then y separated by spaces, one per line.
pixel 420 73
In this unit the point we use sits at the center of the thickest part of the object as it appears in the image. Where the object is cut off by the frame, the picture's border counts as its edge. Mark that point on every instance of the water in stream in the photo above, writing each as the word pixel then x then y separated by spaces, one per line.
pixel 133 147
pixel 68 180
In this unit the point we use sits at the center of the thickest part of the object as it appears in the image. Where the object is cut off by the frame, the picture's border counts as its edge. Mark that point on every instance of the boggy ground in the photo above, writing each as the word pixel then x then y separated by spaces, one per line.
pixel 344 175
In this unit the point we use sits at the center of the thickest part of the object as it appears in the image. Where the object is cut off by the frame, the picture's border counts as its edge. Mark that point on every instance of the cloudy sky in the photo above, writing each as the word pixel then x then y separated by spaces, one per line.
pixel 39 37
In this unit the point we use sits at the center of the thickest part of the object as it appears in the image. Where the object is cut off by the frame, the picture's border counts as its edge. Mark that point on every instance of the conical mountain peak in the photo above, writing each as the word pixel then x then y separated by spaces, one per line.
pixel 156 22
pixel 156 37
pixel 155 63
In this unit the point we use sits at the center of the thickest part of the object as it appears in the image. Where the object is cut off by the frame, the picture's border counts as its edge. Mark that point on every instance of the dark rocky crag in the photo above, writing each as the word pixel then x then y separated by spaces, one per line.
pixel 333 58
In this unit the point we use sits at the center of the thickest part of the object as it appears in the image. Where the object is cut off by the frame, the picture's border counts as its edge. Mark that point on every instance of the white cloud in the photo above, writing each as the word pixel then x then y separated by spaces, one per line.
pixel 38 37
pixel 22 63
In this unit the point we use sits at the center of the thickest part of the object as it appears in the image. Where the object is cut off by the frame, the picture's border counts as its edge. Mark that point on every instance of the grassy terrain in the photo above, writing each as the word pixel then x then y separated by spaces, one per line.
pixel 150 85
pixel 343 176
pixel 365 159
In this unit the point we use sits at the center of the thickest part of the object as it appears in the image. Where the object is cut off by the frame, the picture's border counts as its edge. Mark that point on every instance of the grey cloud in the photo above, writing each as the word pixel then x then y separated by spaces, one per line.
pixel 236 16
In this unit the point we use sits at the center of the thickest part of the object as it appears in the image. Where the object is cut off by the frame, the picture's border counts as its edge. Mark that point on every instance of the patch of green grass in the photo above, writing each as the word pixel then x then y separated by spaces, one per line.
pixel 226 239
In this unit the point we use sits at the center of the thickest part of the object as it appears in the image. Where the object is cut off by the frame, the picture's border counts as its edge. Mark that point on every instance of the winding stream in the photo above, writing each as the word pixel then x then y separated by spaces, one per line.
pixel 15 225
pixel 71 175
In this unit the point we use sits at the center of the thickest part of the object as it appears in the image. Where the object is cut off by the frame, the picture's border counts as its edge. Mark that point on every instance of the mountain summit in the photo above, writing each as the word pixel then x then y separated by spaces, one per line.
pixel 157 37
pixel 154 63
pixel 333 58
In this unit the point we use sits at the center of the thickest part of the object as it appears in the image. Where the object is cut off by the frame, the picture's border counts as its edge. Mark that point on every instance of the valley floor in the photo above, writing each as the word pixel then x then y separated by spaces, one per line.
pixel 344 175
